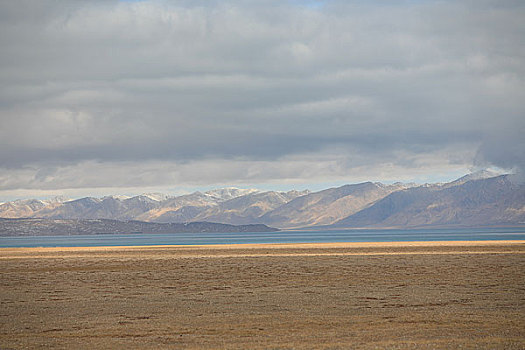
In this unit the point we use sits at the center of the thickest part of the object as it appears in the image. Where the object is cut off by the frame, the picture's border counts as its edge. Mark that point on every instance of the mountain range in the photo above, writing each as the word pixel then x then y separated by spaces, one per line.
pixel 476 200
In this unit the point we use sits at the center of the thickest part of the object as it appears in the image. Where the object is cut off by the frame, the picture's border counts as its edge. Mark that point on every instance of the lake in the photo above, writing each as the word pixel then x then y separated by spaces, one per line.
pixel 332 236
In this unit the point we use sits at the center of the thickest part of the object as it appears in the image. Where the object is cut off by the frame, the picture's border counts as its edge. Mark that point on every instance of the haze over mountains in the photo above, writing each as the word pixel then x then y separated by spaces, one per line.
pixel 476 200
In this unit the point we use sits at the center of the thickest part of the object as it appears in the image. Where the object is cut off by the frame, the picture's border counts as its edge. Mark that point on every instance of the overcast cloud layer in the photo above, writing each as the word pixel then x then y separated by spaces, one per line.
pixel 108 94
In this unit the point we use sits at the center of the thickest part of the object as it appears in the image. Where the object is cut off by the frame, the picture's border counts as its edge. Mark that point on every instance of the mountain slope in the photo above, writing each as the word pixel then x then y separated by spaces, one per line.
pixel 180 209
pixel 94 208
pixel 187 208
pixel 328 206
pixel 484 202
pixel 248 208
pixel 27 207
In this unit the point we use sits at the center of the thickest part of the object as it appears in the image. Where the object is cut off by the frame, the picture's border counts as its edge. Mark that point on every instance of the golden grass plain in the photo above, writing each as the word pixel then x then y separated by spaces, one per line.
pixel 410 295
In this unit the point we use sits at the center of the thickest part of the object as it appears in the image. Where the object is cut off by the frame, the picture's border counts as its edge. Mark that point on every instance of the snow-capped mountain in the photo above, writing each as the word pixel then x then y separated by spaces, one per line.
pixel 478 199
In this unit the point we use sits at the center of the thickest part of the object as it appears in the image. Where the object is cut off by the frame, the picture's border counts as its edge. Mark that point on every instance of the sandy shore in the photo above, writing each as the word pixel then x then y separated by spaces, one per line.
pixel 277 296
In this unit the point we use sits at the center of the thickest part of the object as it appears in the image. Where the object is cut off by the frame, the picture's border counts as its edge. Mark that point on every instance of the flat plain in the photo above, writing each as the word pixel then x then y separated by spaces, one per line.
pixel 433 295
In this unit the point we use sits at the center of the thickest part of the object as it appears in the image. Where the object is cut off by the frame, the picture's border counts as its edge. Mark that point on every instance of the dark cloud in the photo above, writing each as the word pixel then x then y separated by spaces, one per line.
pixel 506 150
pixel 417 85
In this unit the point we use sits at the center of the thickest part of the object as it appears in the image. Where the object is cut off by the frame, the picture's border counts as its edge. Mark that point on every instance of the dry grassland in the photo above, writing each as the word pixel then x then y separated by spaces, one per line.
pixel 311 296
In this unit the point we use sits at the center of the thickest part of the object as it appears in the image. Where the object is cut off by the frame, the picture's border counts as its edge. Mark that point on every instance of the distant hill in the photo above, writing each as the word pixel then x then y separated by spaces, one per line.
pixel 43 227
pixel 478 199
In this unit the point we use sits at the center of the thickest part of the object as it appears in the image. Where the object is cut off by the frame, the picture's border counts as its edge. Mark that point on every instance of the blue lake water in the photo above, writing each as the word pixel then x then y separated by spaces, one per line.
pixel 484 234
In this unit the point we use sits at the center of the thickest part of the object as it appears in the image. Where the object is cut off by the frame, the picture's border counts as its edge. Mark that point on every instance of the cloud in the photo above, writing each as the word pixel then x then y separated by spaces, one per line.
pixel 111 87
pixel 332 164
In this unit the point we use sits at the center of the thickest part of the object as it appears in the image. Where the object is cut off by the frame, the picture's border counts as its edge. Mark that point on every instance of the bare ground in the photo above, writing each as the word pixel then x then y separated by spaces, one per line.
pixel 326 296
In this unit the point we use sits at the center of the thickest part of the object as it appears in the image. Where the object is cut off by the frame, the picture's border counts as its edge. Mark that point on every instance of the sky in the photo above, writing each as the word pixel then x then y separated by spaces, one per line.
pixel 127 97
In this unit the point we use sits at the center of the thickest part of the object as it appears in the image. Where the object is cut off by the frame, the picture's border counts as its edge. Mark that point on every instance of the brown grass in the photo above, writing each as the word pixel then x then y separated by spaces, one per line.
pixel 400 295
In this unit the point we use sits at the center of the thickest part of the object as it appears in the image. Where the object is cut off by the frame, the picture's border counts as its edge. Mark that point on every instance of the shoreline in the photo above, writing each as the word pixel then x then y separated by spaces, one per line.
pixel 238 246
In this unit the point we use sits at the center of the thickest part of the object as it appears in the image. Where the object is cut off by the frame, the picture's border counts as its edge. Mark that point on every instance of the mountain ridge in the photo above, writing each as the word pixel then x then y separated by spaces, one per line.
pixel 479 202
pixel 478 199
